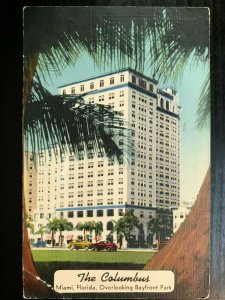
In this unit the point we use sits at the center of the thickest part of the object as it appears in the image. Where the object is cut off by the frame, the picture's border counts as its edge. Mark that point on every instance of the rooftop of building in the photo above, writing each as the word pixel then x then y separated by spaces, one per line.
pixel 111 73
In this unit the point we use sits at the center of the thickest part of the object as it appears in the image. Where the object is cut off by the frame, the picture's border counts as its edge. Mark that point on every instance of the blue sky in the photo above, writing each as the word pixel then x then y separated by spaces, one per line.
pixel 194 143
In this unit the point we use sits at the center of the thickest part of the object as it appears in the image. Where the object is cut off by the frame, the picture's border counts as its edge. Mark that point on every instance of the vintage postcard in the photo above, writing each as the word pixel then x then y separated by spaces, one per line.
pixel 116 152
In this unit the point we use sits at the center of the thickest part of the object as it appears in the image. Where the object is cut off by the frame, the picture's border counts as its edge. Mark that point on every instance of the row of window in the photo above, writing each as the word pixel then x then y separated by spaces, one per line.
pixel 142 83
pixel 92 85
pixel 90 213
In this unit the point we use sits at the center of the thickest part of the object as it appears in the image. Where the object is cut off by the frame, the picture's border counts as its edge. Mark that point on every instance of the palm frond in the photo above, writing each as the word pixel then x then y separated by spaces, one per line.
pixel 181 34
pixel 67 123
pixel 164 39
pixel 204 107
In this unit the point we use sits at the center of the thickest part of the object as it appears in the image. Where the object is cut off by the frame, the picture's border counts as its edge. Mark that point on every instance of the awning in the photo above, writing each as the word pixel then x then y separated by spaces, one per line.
pixel 69 237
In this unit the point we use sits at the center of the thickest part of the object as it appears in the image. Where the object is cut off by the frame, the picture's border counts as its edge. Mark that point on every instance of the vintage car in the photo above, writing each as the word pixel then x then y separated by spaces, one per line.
pixel 39 244
pixel 79 245
pixel 104 245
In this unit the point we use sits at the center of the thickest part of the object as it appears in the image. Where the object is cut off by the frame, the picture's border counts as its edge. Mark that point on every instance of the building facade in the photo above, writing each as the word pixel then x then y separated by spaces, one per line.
pixel 180 213
pixel 101 189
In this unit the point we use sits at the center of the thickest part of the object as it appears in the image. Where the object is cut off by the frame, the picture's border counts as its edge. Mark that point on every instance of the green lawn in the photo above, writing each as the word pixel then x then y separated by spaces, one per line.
pixel 47 262
pixel 132 257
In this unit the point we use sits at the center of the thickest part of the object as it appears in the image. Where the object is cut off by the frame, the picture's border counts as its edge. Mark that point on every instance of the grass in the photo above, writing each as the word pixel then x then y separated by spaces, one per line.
pixel 47 262
pixel 132 257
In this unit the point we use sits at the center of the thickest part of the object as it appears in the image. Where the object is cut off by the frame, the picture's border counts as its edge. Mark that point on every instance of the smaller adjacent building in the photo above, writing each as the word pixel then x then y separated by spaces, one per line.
pixel 180 213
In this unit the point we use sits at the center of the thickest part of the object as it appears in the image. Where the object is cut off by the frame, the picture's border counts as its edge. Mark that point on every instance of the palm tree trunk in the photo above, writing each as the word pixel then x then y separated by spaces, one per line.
pixel 28 75
pixel 53 239
pixel 60 237
pixel 187 252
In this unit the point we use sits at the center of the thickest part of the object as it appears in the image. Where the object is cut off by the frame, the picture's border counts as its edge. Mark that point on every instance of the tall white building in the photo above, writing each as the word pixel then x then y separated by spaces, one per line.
pixel 96 188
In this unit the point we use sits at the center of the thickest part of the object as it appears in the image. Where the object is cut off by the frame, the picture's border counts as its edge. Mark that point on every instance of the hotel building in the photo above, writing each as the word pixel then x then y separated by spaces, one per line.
pixel 101 189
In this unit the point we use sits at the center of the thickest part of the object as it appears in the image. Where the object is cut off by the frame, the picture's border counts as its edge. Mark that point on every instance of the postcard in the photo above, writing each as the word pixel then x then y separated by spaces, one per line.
pixel 116 152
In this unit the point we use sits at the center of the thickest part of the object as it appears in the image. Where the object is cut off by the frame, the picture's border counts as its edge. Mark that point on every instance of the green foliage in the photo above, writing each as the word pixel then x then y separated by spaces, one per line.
pixel 67 123
pixel 125 224
pixel 60 224
pixel 161 38
pixel 161 225
pixel 97 227
pixel 29 223
pixel 42 230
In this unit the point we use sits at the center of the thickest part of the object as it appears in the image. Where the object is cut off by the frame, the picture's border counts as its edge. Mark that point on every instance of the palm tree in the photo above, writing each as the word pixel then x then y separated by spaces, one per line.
pixel 97 227
pixel 87 226
pixel 125 225
pixel 130 221
pixel 120 229
pixel 42 230
pixel 63 224
pixel 30 225
pixel 53 226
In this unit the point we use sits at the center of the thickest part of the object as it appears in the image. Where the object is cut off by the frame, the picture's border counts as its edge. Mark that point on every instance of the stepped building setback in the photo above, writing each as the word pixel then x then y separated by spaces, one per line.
pixel 101 189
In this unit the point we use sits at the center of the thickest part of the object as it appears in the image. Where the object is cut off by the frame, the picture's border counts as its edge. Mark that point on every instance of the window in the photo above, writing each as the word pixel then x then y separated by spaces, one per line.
pixel 101 98
pixel 120 180
pixel 91 85
pixel 109 226
pixel 121 93
pixel 41 216
pixel 142 83
pixel 80 175
pixel 120 170
pixel 121 142
pixel 64 92
pixel 91 100
pixel 150 87
pixel 80 214
pixel 70 214
pixel 120 212
pixel 110 192
pixel 112 80
pixel 121 78
pixel 167 105
pixel 90 193
pixel 120 191
pixel 110 212
pixel 99 192
pixel 73 90
pixel 90 213
pixel 121 103
pixel 111 95
pixel 101 83
pixel 80 166
pixel 100 164
pixel 80 194
pixel 133 79
pixel 161 102
pixel 90 165
pixel 110 162
pixel 110 181
pixel 99 213
pixel 90 174
pixel 82 88
pixel 100 182
pixel 110 172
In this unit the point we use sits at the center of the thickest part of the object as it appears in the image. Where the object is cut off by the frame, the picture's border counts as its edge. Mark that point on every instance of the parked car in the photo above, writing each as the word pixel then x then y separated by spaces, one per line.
pixel 39 244
pixel 79 245
pixel 104 245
